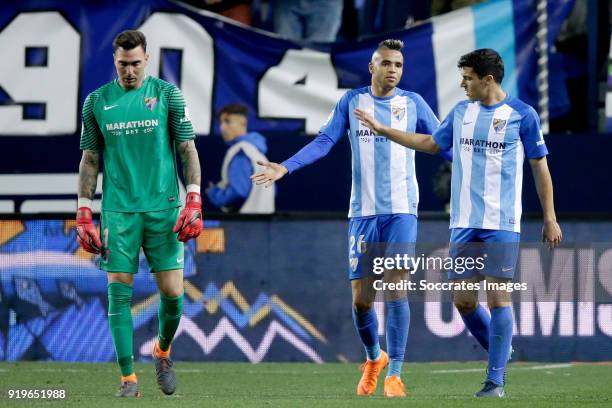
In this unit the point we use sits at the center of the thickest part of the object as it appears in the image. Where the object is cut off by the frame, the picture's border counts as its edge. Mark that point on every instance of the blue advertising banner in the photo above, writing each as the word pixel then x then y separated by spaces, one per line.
pixel 56 52
pixel 266 290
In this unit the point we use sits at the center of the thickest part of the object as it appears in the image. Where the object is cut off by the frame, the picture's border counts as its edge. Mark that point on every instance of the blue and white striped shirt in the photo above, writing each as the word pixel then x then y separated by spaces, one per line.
pixel 384 179
pixel 489 146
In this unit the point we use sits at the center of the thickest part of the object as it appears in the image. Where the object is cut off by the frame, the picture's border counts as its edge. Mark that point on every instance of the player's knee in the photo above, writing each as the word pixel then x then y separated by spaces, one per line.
pixel 121 277
pixel 465 306
pixel 493 303
pixel 393 295
pixel 498 299
pixel 171 291
pixel 362 306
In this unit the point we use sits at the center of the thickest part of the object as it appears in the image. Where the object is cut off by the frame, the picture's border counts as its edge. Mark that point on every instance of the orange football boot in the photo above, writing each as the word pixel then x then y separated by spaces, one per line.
pixel 371 371
pixel 394 387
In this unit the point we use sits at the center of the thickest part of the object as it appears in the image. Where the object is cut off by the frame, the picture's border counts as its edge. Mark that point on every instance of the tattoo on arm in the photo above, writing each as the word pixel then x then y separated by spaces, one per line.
pixel 88 173
pixel 191 162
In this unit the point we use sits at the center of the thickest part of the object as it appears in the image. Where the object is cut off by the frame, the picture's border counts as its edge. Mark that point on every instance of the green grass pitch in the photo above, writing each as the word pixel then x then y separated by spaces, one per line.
pixel 310 385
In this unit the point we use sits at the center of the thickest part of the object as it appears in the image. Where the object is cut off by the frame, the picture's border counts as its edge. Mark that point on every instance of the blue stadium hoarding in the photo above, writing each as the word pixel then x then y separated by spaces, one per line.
pixel 250 298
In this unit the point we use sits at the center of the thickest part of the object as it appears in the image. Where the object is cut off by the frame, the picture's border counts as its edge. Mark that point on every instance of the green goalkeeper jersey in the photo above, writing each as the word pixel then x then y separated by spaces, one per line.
pixel 137 131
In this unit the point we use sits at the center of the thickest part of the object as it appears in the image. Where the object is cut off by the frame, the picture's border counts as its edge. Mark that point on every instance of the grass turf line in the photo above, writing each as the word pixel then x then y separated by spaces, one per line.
pixel 309 385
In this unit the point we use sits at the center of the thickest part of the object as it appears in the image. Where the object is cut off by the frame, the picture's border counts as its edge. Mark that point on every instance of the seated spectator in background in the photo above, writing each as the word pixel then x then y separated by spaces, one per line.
pixel 236 192
pixel 308 20
pixel 569 69
pixel 382 16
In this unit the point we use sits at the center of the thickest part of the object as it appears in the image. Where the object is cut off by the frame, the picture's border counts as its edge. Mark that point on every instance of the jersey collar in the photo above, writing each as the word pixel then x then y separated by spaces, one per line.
pixel 498 104
pixel 382 98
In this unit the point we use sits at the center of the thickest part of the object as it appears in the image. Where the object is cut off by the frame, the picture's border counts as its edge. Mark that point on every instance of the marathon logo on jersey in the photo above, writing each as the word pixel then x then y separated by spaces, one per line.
pixel 150 103
pixel 365 132
pixel 398 112
pixel 134 124
pixel 499 125
pixel 482 146
pixel 482 143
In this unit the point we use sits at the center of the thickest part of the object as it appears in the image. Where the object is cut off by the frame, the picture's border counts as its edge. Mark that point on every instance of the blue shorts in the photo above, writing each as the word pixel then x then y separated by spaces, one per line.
pixel 397 229
pixel 497 249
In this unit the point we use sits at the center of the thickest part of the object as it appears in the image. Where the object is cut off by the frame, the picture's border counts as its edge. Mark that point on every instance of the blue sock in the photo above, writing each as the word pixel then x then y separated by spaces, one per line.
pixel 398 322
pixel 499 343
pixel 395 368
pixel 478 323
pixel 366 324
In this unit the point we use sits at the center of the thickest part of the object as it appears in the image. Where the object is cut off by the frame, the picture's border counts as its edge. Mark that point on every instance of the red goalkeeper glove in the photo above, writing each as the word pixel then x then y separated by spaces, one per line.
pixel 189 223
pixel 87 233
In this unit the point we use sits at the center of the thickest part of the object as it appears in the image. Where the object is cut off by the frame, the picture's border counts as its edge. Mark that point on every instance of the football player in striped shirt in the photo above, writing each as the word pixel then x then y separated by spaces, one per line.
pixel 138 123
pixel 490 133
pixel 383 204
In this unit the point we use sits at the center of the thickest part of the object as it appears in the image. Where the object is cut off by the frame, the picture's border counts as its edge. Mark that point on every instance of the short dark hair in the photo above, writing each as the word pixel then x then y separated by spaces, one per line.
pixel 129 40
pixel 391 44
pixel 484 61
pixel 234 109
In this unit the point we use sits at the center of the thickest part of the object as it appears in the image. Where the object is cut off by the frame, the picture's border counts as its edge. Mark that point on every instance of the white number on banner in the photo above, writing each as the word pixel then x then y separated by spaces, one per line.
pixel 55 84
pixel 175 31
pixel 303 86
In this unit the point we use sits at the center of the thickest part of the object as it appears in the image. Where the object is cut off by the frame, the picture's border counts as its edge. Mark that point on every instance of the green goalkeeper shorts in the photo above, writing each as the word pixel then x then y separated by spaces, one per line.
pixel 123 234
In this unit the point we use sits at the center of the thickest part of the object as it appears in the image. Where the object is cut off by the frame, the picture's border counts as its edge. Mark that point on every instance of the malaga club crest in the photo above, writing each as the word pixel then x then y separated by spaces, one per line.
pixel 150 103
pixel 354 261
pixel 398 112
pixel 499 125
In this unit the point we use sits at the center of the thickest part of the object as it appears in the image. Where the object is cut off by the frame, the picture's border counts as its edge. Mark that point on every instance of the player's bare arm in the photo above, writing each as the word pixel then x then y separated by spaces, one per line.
pixel 551 232
pixel 416 141
pixel 88 173
pixel 271 173
pixel 191 162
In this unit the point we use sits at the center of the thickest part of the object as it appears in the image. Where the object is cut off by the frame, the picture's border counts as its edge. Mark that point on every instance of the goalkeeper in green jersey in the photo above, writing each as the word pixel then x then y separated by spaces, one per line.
pixel 138 122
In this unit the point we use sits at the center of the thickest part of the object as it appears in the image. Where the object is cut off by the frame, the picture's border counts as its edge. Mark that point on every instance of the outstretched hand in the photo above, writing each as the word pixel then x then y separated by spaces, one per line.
pixel 271 173
pixel 368 120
